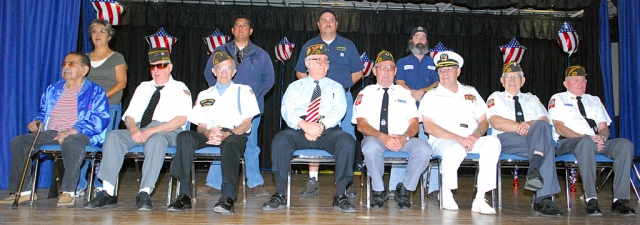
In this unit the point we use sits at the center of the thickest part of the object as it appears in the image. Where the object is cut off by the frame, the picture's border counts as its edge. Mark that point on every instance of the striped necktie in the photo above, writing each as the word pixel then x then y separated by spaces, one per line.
pixel 314 107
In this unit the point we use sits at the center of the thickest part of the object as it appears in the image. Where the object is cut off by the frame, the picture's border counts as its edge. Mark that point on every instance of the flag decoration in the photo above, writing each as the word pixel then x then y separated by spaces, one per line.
pixel 284 50
pixel 568 39
pixel 109 10
pixel 215 40
pixel 161 39
pixel 439 48
pixel 512 51
pixel 367 63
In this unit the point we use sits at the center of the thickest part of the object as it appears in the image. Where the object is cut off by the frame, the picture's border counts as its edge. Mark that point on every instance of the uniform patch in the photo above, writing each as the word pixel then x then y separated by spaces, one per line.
pixel 490 103
pixel 358 99
pixel 408 67
pixel 187 92
pixel 401 101
pixel 568 104
pixel 341 48
pixel 552 103
pixel 207 102
pixel 470 97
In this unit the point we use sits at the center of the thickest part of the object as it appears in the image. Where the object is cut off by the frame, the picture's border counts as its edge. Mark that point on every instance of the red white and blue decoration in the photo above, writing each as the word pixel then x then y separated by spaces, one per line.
pixel 512 51
pixel 568 39
pixel 367 63
pixel 215 40
pixel 161 39
pixel 284 50
pixel 109 10
pixel 439 48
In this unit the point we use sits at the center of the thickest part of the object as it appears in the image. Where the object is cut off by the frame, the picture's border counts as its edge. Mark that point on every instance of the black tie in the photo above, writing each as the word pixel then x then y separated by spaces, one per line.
pixel 384 113
pixel 519 114
pixel 239 59
pixel 592 123
pixel 151 108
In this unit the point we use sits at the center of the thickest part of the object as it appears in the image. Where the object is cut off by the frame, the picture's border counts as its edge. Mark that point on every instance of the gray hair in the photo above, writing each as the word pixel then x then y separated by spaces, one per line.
pixel 107 26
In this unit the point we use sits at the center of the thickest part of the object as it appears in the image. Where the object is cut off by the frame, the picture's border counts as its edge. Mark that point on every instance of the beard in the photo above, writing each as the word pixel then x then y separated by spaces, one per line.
pixel 418 49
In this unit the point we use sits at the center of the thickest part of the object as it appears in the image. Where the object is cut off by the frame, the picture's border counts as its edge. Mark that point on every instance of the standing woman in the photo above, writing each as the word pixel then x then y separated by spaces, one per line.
pixel 109 70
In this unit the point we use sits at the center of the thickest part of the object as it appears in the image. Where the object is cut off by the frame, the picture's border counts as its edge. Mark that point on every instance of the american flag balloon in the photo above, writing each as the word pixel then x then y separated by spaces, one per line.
pixel 512 51
pixel 161 39
pixel 284 50
pixel 367 63
pixel 109 10
pixel 439 48
pixel 568 38
pixel 215 40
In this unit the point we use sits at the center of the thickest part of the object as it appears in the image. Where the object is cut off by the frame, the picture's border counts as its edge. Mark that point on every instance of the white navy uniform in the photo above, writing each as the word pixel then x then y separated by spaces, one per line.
pixel 236 104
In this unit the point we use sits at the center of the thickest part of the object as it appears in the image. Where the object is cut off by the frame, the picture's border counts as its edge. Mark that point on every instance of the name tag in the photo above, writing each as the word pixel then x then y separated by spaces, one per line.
pixel 401 101
pixel 568 104
pixel 431 67
pixel 408 67
pixel 464 125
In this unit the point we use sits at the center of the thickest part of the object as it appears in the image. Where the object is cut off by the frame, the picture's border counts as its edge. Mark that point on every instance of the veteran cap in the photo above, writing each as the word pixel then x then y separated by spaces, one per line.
pixel 448 58
pixel 418 29
pixel 384 55
pixel 575 71
pixel 327 11
pixel 511 67
pixel 316 49
pixel 220 56
pixel 159 54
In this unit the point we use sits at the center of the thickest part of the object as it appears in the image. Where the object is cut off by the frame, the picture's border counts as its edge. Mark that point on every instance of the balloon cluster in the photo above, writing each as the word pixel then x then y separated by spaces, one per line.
pixel 367 63
pixel 284 48
pixel 215 40
pixel 512 51
pixel 108 10
pixel 161 39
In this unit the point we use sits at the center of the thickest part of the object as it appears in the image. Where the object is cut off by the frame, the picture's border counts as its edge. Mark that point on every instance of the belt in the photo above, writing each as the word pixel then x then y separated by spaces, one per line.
pixel 346 90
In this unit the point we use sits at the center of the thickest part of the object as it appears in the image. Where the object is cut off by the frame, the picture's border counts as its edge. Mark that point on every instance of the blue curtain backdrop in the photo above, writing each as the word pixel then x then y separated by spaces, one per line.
pixel 36 35
pixel 605 65
pixel 629 28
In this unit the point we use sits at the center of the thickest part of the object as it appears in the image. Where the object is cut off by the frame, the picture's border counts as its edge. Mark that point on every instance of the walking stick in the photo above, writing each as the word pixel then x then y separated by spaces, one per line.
pixel 26 165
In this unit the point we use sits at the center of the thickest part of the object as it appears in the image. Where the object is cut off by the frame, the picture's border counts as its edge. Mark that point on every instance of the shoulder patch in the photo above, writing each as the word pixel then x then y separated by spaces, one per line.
pixel 207 102
pixel 470 97
pixel 187 92
pixel 358 99
pixel 552 103
pixel 490 103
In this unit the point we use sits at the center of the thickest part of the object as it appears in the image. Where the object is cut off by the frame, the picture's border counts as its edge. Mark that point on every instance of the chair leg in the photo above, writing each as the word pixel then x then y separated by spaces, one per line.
pixel 635 169
pixel 604 182
pixel 170 189
pixel 138 176
pixel 89 190
pixel 34 177
pixel 363 172
pixel 440 182
pixel 244 182
pixel 193 183
pixel 499 186
pixel 368 190
pixel 566 181
pixel 289 187
pixel 57 172
pixel 422 201
pixel 115 191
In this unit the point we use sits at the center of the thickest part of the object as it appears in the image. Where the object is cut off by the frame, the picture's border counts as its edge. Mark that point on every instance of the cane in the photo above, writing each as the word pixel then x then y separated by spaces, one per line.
pixel 26 165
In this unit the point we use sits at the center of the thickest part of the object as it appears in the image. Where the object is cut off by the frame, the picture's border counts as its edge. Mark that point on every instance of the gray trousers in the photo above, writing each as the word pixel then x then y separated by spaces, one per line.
pixel 118 142
pixel 537 139
pixel 419 150
pixel 619 149
pixel 73 153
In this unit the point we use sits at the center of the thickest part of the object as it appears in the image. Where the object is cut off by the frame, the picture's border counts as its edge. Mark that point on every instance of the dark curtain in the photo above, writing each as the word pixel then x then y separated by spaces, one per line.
pixel 36 36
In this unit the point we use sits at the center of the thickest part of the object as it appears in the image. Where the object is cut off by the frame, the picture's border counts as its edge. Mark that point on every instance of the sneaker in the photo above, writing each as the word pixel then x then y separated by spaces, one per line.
pixel 66 200
pixel 276 202
pixel 143 202
pixel 534 181
pixel 619 208
pixel 547 208
pixel 102 200
pixel 224 205
pixel 181 203
pixel 377 202
pixel 402 196
pixel 258 191
pixel 23 199
pixel 80 193
pixel 482 206
pixel 207 190
pixel 434 195
pixel 351 192
pixel 448 202
pixel 311 189
pixel 592 208
pixel 342 203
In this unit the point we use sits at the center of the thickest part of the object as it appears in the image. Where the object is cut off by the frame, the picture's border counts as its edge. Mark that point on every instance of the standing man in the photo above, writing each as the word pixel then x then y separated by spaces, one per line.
pixel 388 118
pixel 520 121
pixel 581 127
pixel 157 113
pixel 346 69
pixel 223 114
pixel 313 107
pixel 256 70
pixel 75 112
pixel 454 116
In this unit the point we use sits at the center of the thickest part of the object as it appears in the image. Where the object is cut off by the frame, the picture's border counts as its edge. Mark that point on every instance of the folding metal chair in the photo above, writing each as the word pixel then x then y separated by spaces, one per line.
pixel 508 161
pixel 306 156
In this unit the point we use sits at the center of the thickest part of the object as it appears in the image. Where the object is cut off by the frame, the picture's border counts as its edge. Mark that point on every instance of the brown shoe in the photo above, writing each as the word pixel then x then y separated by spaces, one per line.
pixel 24 198
pixel 258 191
pixel 66 200
pixel 207 190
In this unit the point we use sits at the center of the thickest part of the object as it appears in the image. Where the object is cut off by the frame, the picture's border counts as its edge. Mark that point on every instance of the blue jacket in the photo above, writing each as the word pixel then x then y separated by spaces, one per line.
pixel 256 70
pixel 93 109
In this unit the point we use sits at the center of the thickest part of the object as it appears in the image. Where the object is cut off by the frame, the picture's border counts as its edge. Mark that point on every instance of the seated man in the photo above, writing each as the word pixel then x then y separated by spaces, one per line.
pixel 313 107
pixel 454 116
pixel 75 112
pixel 223 114
pixel 581 127
pixel 520 121
pixel 157 113
pixel 387 116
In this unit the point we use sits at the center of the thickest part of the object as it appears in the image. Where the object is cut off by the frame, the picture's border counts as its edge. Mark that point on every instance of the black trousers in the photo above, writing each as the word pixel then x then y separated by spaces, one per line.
pixel 231 149
pixel 335 141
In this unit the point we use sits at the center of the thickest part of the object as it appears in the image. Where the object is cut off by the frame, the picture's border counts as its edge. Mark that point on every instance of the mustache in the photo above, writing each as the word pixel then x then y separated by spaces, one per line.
pixel 66 71
pixel 419 49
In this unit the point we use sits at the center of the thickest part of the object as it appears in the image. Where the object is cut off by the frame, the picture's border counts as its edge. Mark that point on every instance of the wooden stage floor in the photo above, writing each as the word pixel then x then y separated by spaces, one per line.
pixel 313 210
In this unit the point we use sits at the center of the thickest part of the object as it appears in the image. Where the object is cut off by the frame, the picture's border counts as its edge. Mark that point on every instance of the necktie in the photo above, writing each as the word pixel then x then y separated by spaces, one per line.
pixel 519 114
pixel 151 107
pixel 314 107
pixel 581 107
pixel 592 123
pixel 384 113
pixel 239 59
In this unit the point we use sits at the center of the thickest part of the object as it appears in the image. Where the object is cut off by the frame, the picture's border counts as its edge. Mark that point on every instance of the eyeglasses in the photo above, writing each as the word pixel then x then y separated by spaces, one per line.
pixel 158 66
pixel 512 76
pixel 70 63
pixel 321 60
pixel 386 68
pixel 447 69
pixel 576 81
pixel 223 69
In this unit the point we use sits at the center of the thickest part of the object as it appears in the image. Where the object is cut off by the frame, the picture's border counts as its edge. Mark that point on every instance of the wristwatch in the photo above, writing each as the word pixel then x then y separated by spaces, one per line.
pixel 407 136
pixel 231 133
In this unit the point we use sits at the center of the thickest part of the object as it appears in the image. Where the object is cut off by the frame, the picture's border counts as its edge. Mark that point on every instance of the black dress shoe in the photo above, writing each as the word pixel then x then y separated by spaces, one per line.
pixel 547 208
pixel 102 200
pixel 143 202
pixel 402 196
pixel 534 180
pixel 379 197
pixel 592 208
pixel 434 194
pixel 619 208
pixel 276 202
pixel 342 203
pixel 182 202
pixel 224 205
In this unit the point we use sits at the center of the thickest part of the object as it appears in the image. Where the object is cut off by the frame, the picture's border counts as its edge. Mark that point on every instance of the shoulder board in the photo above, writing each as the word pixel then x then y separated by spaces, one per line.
pixel 431 89
pixel 467 85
